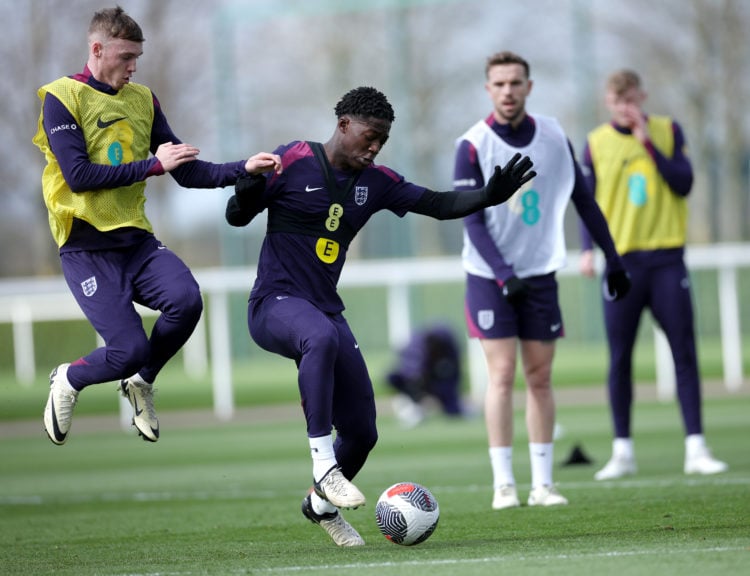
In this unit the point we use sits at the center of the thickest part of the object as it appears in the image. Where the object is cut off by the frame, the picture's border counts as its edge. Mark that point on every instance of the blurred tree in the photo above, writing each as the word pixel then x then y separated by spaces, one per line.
pixel 275 71
pixel 694 59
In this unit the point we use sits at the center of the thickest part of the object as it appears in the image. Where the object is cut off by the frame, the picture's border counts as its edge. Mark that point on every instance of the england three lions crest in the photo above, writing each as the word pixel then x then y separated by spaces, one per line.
pixel 486 319
pixel 360 195
pixel 89 286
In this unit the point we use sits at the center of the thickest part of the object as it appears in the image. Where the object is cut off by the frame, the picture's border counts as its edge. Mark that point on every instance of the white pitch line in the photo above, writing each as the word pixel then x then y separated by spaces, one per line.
pixel 307 569
pixel 494 559
pixel 618 484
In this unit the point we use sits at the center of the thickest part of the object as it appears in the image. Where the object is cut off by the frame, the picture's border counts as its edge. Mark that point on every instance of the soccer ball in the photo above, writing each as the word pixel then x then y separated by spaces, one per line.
pixel 407 513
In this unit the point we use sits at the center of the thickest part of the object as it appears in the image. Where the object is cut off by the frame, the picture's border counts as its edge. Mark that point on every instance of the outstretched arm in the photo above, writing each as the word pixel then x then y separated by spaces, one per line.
pixel 500 187
pixel 190 171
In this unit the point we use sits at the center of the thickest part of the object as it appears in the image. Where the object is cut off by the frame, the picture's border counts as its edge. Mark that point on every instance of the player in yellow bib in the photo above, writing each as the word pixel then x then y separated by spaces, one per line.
pixel 640 174
pixel 102 136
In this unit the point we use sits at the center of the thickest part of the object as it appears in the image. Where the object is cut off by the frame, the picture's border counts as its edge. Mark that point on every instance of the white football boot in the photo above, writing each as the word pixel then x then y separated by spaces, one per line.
pixel 505 497
pixel 546 496
pixel 58 413
pixel 335 488
pixel 703 462
pixel 340 531
pixel 141 397
pixel 617 467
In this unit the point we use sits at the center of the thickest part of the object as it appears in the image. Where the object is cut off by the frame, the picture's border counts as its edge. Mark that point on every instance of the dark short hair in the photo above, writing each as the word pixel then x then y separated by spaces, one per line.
pixel 115 23
pixel 506 57
pixel 365 102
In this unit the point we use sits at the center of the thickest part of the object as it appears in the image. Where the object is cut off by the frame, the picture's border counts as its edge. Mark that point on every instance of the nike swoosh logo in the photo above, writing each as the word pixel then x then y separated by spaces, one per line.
pixel 554 327
pixel 308 189
pixel 102 124
pixel 55 426
pixel 138 411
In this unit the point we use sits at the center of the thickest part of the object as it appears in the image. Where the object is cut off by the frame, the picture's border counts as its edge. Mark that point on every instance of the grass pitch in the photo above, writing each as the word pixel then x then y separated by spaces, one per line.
pixel 224 499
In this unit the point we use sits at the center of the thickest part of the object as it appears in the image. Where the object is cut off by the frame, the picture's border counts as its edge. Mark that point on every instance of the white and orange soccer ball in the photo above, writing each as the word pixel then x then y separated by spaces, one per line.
pixel 407 513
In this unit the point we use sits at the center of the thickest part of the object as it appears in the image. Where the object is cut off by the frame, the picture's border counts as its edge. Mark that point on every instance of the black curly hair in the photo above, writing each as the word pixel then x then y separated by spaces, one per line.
pixel 365 102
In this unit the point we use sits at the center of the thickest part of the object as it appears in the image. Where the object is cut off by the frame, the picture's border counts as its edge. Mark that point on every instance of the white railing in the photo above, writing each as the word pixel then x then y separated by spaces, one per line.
pixel 25 301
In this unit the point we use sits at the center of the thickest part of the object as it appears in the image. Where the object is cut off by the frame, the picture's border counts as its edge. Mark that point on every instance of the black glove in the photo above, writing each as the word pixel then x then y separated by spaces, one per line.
pixel 616 283
pixel 506 180
pixel 514 288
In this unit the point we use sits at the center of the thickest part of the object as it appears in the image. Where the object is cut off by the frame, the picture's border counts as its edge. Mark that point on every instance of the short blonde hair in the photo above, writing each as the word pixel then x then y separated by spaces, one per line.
pixel 623 80
pixel 115 23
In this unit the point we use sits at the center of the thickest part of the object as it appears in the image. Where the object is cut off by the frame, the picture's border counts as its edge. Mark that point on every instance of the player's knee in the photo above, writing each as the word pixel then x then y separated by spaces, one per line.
pixel 370 439
pixel 130 358
pixel 192 300
pixel 194 308
pixel 364 433
pixel 187 307
pixel 503 385
pixel 324 343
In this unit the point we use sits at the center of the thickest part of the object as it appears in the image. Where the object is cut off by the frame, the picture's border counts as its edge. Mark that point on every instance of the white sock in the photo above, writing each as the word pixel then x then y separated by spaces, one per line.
pixel 541 455
pixel 321 506
pixel 62 372
pixel 695 445
pixel 323 457
pixel 501 460
pixel 623 448
pixel 137 379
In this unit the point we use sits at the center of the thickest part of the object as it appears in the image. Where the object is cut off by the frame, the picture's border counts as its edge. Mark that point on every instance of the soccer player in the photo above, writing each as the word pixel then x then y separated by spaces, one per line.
pixel 325 195
pixel 640 174
pixel 96 129
pixel 429 365
pixel 511 253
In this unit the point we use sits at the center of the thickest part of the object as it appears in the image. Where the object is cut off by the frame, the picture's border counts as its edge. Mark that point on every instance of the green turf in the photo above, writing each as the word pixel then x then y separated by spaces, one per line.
pixel 267 379
pixel 224 500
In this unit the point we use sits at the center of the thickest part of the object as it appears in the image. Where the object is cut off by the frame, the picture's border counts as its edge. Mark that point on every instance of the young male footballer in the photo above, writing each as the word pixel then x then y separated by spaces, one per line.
pixel 103 136
pixel 640 175
pixel 511 254
pixel 325 195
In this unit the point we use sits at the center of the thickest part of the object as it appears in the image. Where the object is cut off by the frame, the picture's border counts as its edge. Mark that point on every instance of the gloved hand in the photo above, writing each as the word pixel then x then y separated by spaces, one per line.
pixel 616 282
pixel 513 288
pixel 506 180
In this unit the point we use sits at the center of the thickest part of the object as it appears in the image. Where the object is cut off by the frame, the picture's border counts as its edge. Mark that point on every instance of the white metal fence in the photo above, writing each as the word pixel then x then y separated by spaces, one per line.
pixel 24 301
